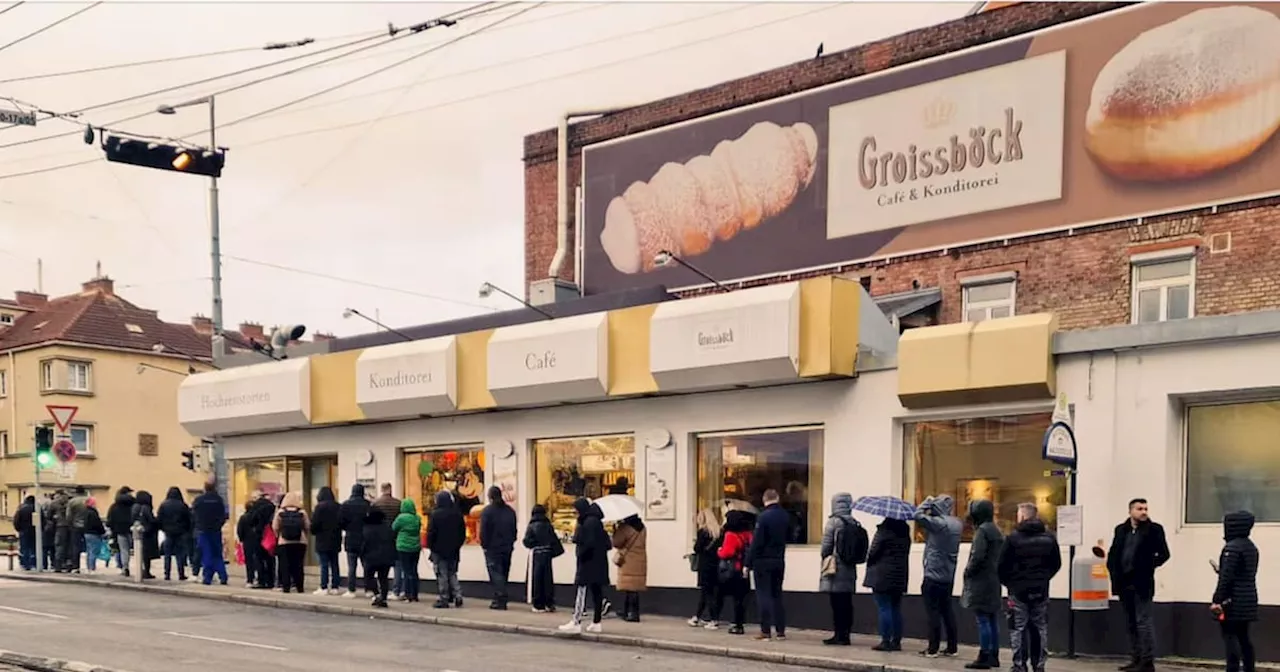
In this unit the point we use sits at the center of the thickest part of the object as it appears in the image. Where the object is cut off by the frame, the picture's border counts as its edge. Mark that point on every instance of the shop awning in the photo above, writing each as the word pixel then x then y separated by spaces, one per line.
pixel 272 395
pixel 565 359
pixel 405 380
pixel 747 337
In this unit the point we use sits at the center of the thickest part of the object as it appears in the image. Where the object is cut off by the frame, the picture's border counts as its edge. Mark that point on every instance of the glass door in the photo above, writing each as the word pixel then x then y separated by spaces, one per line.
pixel 319 472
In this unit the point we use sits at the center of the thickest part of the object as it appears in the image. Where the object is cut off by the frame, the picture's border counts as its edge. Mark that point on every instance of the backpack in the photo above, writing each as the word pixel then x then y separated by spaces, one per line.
pixel 852 543
pixel 291 524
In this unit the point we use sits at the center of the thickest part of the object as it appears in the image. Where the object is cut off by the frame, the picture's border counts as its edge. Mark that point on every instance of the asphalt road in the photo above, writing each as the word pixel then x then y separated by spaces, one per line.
pixel 157 633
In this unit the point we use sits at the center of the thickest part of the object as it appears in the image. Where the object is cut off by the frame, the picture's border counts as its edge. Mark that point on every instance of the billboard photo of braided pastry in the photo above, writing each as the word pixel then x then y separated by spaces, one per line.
pixel 686 208
pixel 1188 98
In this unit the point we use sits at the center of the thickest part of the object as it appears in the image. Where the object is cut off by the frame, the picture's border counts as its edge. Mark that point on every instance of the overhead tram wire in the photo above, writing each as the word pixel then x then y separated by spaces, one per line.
pixel 12 7
pixel 357 46
pixel 48 26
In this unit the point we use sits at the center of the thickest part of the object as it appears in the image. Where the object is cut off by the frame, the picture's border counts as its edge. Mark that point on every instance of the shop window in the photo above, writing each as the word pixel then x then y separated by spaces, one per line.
pixel 458 470
pixel 1232 463
pixel 1007 471
pixel 269 476
pixel 989 298
pixel 1163 286
pixel 567 469
pixel 735 468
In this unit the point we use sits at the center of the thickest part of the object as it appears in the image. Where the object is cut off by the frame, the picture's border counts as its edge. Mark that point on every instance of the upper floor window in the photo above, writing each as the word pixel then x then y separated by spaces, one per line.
pixel 6 318
pixel 1164 286
pixel 4 443
pixel 46 375
pixel 78 376
pixel 989 297
pixel 4 383
pixel 61 375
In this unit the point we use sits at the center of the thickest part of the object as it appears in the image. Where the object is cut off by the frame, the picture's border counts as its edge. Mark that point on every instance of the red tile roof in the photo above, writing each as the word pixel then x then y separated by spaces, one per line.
pixel 97 316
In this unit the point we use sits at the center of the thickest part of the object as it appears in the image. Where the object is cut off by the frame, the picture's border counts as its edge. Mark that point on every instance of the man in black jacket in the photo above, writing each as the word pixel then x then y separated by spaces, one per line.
pixel 24 525
pixel 446 534
pixel 119 519
pixel 351 517
pixel 1137 550
pixel 208 515
pixel 498 539
pixel 767 558
pixel 174 517
pixel 1029 560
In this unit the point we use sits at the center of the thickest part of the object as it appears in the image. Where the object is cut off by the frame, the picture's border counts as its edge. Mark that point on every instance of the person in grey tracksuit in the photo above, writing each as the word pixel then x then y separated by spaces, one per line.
pixel 941 552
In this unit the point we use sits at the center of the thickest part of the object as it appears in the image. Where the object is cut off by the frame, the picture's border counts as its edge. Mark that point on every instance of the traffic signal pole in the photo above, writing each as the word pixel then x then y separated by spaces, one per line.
pixel 215 258
pixel 38 515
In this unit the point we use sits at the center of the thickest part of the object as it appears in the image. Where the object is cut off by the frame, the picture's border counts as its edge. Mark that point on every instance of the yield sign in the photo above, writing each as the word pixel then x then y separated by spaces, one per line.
pixel 62 416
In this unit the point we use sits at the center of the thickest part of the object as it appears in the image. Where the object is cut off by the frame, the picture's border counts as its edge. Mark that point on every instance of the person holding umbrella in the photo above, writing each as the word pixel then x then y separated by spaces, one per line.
pixel 888 567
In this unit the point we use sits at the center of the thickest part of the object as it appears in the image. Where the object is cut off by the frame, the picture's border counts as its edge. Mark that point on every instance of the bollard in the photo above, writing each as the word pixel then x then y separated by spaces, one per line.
pixel 11 554
pixel 135 558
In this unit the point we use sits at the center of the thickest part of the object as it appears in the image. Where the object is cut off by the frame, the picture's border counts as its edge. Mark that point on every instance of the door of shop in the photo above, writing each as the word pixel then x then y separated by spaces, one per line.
pixel 277 476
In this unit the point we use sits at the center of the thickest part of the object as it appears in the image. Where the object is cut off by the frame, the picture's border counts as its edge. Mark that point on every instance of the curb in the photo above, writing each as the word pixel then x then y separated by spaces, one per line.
pixel 41 664
pixel 776 657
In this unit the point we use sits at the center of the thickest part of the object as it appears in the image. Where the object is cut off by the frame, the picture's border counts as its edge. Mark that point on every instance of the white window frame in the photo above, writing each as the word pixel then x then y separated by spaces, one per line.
pixel 1137 261
pixel 4 442
pixel 82 448
pixel 4 383
pixel 1184 466
pixel 74 385
pixel 6 319
pixel 1009 278
pixel 46 375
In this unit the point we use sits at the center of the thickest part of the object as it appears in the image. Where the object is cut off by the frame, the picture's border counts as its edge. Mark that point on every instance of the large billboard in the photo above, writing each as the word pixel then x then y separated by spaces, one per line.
pixel 1155 108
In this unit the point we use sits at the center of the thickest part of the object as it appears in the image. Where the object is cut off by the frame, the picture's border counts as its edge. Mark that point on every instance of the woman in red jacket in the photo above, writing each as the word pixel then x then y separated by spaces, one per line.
pixel 733 576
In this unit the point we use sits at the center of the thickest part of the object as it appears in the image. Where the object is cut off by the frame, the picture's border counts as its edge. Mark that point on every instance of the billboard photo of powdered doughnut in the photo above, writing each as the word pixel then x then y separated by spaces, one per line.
pixel 1141 110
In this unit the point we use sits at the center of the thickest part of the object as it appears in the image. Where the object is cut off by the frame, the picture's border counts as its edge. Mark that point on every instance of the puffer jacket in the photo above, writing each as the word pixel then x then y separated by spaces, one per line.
pixel 351 517
pixel 1029 561
pixel 1237 589
pixel 845 578
pixel 326 522
pixel 591 545
pixel 981 573
pixel 942 538
pixel 174 515
pixel 78 511
pixel 888 559
pixel 632 557
pixel 120 514
pixel 144 517
pixel 408 528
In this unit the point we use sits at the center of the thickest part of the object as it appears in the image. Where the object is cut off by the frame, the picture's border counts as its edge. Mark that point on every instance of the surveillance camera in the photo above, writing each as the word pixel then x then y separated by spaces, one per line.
pixel 347 313
pixel 485 290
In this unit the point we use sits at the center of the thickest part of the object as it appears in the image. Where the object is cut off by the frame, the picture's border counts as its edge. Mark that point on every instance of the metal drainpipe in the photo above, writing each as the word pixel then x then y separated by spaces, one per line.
pixel 563 190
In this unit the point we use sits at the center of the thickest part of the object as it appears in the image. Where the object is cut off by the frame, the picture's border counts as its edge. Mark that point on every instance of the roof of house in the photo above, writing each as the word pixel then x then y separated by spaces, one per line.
pixel 98 317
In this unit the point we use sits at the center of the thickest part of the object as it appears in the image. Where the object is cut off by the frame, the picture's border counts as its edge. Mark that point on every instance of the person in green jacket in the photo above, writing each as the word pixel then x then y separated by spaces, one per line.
pixel 408 529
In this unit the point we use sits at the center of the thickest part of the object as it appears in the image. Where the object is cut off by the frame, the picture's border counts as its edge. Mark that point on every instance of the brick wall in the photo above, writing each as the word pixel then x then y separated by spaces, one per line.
pixel 1083 275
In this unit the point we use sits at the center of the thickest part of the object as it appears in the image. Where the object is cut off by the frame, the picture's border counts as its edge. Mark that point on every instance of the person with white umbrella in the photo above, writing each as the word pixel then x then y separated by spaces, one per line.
pixel 629 542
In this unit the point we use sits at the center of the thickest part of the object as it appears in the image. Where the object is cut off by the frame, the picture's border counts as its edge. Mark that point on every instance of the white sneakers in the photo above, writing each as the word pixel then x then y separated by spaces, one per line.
pixel 320 591
pixel 576 628
pixel 350 594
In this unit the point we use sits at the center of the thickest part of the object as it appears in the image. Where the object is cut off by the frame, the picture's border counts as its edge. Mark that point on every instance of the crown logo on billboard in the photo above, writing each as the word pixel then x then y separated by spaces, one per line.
pixel 939 113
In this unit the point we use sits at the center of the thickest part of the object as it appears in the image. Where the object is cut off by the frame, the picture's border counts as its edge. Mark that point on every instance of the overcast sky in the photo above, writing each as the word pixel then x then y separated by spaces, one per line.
pixel 408 184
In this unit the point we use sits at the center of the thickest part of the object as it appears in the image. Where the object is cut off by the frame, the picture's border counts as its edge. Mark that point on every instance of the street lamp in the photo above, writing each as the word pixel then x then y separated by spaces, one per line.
pixel 487 290
pixel 666 258
pixel 348 312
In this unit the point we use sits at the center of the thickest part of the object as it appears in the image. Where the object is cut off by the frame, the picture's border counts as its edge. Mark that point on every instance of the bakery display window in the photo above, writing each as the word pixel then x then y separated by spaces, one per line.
pixel 996 458
pixel 735 468
pixel 458 470
pixel 590 467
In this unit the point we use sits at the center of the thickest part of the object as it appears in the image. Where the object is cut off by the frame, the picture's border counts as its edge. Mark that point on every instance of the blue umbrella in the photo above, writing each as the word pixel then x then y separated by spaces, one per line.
pixel 886 507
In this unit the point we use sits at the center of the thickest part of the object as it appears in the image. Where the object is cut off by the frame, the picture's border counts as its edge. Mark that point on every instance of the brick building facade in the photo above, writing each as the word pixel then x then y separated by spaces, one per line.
pixel 1086 275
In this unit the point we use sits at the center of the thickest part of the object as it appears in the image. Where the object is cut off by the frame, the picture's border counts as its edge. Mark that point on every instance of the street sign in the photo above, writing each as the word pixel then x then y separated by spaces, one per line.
pixel 64 450
pixel 62 416
pixel 18 118
pixel 66 472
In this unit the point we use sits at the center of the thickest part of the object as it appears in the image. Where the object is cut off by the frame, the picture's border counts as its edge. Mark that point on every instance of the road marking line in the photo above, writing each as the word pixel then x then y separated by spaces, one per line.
pixel 34 613
pixel 228 641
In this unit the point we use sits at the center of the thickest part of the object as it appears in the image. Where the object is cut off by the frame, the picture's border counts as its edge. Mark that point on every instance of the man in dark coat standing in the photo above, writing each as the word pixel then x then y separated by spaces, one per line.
pixel 1235 599
pixel 208 515
pixel 498 539
pixel 24 525
pixel 174 517
pixel 591 549
pixel 446 534
pixel 1028 562
pixel 326 528
pixel 981 593
pixel 1138 549
pixel 119 519
pixel 351 517
pixel 389 505
pixel 767 558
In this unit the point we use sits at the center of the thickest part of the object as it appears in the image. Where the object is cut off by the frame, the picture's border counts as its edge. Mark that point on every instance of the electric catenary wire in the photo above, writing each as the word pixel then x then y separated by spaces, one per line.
pixel 49 26
pixel 12 7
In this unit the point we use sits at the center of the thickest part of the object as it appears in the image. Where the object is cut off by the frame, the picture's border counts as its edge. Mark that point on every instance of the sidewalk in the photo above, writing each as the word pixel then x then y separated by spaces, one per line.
pixel 655 632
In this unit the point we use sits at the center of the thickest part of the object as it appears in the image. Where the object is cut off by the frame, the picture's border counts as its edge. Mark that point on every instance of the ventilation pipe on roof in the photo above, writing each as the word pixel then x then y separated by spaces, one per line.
pixel 563 190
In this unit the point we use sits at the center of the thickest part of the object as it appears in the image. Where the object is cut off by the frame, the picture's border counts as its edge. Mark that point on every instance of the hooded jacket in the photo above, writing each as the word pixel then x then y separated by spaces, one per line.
pixel 540 536
pixel 498 532
pixel 1237 589
pixel 591 545
pixel 24 519
pixel 981 573
pixel 408 528
pixel 888 558
pixel 845 578
pixel 326 522
pixel 379 544
pixel 93 522
pixel 120 514
pixel 143 516
pixel 942 538
pixel 58 509
pixel 446 530
pixel 630 540
pixel 291 505
pixel 174 515
pixel 209 512
pixel 78 510
pixel 1029 560
pixel 351 518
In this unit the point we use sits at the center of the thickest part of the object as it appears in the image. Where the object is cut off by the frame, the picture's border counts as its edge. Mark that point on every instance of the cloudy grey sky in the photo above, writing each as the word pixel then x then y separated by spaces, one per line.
pixel 409 183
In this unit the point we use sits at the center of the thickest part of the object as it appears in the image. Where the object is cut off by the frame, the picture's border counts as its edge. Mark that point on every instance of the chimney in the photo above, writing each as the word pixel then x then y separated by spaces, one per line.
pixel 252 330
pixel 101 284
pixel 202 325
pixel 31 299
pixel 320 337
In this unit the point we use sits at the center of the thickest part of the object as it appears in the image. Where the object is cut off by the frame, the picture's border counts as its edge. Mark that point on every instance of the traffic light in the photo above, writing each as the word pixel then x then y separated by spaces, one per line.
pixel 189 460
pixel 44 447
pixel 162 156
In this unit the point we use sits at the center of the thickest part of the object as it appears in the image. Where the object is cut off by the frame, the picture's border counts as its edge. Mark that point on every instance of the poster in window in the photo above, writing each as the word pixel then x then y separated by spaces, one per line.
pixel 660 491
